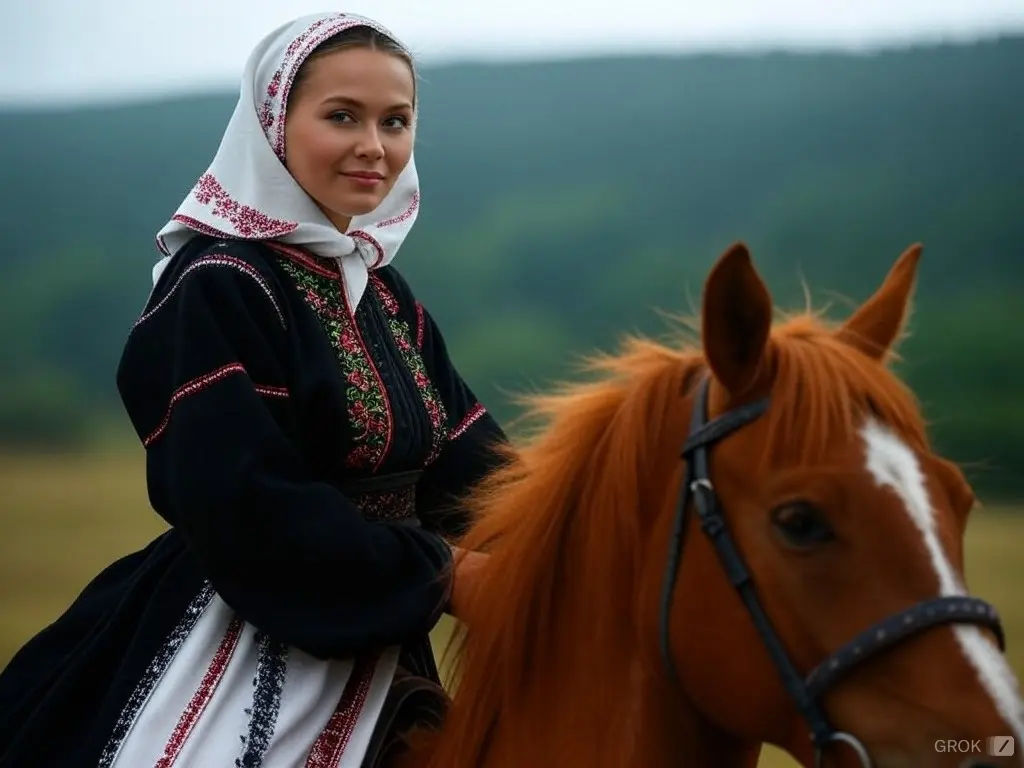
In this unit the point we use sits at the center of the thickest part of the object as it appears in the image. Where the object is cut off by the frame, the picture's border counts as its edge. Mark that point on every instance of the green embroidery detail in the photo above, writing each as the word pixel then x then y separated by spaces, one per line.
pixel 368 409
pixel 403 336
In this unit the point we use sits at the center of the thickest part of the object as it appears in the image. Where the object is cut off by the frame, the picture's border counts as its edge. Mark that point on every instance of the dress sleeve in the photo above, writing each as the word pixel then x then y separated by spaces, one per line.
pixel 473 437
pixel 205 380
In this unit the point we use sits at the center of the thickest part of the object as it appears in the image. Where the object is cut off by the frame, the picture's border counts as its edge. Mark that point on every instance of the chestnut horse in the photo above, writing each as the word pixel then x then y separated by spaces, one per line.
pixel 698 530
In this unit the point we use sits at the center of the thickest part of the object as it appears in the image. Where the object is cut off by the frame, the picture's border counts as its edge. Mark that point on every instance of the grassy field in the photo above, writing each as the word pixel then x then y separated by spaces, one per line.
pixel 64 518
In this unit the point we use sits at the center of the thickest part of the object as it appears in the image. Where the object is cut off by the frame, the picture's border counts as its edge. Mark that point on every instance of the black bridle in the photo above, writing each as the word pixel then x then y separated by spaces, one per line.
pixel 805 691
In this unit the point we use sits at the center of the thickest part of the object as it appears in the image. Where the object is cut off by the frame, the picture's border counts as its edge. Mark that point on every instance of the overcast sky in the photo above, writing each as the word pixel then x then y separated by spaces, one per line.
pixel 61 50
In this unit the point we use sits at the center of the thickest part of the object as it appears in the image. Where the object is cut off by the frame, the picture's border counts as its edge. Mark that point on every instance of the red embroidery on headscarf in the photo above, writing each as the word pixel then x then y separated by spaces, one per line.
pixel 274 85
pixel 198 226
pixel 372 241
pixel 246 220
pixel 301 39
pixel 297 52
pixel 413 205
pixel 267 113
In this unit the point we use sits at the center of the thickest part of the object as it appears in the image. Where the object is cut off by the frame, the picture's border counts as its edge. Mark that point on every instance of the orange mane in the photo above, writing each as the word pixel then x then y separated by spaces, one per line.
pixel 565 524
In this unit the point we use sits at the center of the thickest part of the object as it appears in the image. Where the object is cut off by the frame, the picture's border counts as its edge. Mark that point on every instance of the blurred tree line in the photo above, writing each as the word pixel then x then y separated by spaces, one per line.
pixel 564 203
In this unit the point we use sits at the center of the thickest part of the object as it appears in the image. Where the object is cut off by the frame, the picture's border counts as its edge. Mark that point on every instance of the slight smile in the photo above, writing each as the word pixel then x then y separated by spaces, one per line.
pixel 364 178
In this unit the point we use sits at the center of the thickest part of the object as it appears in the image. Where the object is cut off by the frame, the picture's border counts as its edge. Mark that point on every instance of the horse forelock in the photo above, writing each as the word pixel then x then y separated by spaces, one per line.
pixel 822 392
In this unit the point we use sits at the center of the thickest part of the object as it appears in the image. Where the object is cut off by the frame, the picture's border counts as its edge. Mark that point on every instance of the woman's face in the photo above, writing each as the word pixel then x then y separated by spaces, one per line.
pixel 349 130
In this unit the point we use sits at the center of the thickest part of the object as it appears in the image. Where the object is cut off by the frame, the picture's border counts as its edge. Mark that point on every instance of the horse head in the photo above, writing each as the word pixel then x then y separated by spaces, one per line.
pixel 747 540
pixel 853 627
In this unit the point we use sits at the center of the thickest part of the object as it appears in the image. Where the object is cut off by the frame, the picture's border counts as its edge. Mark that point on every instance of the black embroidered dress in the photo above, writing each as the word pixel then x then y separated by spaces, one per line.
pixel 306 461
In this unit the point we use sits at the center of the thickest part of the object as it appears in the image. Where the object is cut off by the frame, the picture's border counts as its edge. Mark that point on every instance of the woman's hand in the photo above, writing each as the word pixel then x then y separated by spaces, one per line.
pixel 468 568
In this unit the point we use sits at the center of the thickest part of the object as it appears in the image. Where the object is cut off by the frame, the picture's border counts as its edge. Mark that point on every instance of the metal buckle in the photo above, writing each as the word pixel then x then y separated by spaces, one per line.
pixel 852 741
pixel 703 484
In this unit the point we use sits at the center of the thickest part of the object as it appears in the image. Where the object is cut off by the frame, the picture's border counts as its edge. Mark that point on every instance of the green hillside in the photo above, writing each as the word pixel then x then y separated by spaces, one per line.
pixel 565 202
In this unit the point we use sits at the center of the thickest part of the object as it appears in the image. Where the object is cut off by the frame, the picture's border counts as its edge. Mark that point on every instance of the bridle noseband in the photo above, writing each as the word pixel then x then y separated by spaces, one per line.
pixel 805 691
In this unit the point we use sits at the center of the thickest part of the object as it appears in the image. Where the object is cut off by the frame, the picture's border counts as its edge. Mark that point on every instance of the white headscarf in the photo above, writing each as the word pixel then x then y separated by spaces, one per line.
pixel 248 193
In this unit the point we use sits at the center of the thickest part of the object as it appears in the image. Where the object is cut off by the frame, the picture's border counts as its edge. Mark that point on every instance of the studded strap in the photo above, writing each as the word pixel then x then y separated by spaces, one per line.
pixel 898 627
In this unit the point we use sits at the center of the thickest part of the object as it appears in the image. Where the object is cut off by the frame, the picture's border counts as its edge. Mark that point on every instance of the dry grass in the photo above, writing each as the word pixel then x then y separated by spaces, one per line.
pixel 64 518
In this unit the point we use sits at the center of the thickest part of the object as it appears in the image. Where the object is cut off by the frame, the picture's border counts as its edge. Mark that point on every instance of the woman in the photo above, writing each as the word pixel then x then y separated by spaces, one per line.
pixel 306 439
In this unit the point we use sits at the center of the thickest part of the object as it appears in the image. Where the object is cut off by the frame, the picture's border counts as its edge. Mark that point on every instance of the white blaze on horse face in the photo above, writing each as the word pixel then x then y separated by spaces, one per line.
pixel 892 463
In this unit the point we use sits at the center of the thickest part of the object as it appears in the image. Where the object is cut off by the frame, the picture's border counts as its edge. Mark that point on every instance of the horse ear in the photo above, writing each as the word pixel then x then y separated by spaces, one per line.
pixel 875 326
pixel 736 321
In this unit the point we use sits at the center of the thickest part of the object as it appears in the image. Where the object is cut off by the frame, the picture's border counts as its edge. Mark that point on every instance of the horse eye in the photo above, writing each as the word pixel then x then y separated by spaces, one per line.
pixel 801 525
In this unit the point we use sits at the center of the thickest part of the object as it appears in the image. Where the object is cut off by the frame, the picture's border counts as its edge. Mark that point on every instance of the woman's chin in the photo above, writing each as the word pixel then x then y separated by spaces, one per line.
pixel 342 212
pixel 360 206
